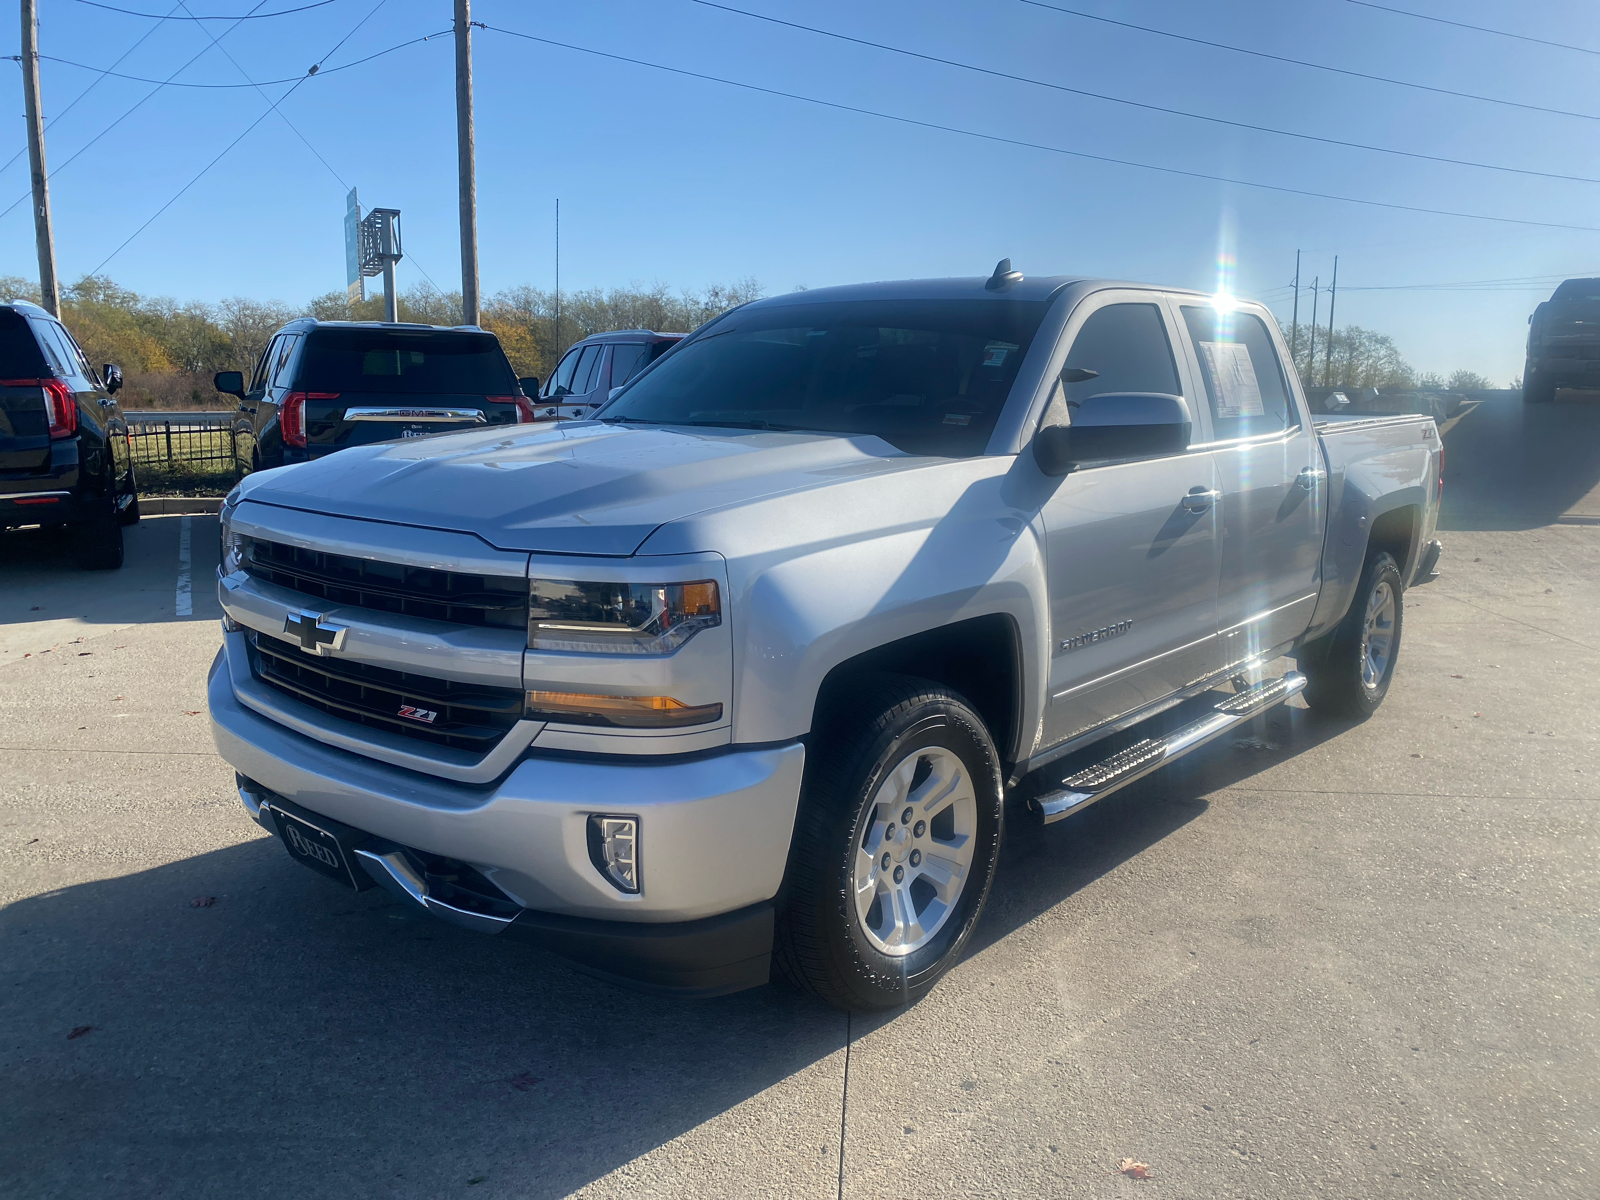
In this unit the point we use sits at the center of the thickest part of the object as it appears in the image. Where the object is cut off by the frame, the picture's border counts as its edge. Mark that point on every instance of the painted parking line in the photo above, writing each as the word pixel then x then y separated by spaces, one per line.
pixel 183 604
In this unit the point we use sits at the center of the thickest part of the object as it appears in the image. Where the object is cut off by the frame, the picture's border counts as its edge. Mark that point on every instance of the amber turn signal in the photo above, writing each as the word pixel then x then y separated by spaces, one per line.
pixel 623 712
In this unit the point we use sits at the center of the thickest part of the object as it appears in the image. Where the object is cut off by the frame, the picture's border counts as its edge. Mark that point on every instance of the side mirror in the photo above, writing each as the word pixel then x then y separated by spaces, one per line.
pixel 529 386
pixel 229 383
pixel 112 374
pixel 1115 425
pixel 612 394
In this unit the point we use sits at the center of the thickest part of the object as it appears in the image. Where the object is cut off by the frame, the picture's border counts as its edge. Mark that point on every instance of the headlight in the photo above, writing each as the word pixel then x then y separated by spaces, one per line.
pixel 233 544
pixel 619 618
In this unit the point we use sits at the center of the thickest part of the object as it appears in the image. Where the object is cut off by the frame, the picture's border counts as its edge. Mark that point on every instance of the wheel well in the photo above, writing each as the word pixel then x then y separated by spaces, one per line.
pixel 1395 532
pixel 979 658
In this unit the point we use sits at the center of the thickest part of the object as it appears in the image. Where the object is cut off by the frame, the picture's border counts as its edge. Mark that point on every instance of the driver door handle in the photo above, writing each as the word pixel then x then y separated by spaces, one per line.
pixel 1310 477
pixel 1199 499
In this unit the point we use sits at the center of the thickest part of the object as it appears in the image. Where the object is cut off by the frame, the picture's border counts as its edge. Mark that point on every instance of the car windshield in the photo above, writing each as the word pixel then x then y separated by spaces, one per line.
pixel 928 377
pixel 405 363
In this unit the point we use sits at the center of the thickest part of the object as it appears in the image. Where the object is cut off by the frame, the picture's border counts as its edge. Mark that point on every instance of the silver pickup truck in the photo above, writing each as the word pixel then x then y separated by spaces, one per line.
pixel 744 671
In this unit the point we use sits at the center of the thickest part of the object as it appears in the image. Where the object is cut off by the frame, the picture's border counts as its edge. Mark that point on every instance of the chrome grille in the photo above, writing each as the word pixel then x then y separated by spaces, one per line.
pixel 454 596
pixel 466 716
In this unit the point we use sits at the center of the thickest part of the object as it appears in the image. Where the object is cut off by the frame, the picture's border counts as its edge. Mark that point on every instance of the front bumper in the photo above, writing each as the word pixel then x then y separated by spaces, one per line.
pixel 714 836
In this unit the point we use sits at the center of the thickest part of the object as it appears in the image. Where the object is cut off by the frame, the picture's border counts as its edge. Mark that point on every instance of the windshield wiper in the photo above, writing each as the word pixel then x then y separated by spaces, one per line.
pixel 733 424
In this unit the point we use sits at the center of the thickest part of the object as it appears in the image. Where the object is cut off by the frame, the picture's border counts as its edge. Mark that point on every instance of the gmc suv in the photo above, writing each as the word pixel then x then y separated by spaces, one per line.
pixel 65 458
pixel 321 386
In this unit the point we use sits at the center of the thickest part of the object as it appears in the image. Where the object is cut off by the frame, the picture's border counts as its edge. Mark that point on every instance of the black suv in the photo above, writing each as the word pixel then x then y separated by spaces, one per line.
pixel 324 385
pixel 65 459
pixel 587 373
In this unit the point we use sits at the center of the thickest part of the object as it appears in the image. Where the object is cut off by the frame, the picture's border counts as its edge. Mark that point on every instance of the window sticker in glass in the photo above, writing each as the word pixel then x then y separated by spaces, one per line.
pixel 1238 393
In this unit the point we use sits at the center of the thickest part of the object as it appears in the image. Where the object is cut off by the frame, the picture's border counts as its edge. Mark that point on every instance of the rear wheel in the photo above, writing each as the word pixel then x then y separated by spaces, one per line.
pixel 895 846
pixel 130 511
pixel 1348 672
pixel 97 536
pixel 1538 391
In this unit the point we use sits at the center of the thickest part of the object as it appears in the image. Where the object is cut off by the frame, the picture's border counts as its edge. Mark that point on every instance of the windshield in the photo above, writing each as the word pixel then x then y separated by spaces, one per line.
pixel 928 377
pixel 404 363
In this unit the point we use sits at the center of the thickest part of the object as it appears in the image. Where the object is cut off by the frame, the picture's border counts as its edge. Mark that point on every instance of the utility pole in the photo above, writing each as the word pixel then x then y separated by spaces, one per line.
pixel 49 290
pixel 466 156
pixel 558 280
pixel 1333 295
pixel 1311 357
pixel 1294 333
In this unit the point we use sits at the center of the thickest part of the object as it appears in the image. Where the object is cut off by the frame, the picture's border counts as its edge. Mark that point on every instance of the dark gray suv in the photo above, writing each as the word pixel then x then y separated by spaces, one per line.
pixel 590 369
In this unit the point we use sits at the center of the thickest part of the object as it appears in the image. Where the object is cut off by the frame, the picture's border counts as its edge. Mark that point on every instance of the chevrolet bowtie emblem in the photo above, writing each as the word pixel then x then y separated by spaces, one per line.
pixel 315 634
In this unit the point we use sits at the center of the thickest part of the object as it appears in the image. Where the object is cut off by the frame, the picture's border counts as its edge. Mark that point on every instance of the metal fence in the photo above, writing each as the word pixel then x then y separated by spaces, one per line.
pixel 183 453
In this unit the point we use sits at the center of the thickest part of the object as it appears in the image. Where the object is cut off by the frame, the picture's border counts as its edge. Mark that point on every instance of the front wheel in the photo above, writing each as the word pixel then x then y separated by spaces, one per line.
pixel 1348 672
pixel 895 846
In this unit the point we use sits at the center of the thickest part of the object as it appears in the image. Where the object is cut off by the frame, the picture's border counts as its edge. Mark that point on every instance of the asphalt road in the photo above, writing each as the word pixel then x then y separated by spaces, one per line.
pixel 1318 959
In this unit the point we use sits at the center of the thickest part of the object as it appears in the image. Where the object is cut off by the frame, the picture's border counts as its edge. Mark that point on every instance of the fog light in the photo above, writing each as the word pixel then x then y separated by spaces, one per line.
pixel 614 850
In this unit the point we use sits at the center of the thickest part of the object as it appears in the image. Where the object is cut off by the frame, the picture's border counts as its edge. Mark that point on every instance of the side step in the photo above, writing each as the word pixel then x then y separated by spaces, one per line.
pixel 1138 760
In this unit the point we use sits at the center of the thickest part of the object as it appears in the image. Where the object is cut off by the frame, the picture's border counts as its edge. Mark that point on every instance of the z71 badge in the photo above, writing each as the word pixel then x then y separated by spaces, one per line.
pixel 1095 635
pixel 424 715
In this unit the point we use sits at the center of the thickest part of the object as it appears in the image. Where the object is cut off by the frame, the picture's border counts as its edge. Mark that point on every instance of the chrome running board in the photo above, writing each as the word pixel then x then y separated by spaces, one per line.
pixel 1138 760
pixel 394 873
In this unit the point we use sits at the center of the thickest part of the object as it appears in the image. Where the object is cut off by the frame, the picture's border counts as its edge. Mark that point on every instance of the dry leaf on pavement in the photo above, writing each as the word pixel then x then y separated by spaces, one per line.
pixel 79 1030
pixel 1133 1169
pixel 202 902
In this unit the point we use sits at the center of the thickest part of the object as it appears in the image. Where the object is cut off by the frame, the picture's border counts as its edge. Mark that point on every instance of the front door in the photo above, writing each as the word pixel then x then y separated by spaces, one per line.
pixel 1274 490
pixel 1131 547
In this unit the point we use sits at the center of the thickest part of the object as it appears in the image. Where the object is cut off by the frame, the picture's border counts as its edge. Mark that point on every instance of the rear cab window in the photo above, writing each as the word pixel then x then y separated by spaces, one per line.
pixel 1244 380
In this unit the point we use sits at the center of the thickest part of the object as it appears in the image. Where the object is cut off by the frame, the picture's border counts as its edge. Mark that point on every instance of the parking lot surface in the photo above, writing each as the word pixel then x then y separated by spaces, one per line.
pixel 1316 958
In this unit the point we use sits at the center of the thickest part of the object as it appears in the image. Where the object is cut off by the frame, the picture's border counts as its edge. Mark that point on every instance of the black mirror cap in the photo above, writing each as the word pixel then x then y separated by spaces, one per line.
pixel 229 383
pixel 112 374
pixel 1112 426
pixel 529 386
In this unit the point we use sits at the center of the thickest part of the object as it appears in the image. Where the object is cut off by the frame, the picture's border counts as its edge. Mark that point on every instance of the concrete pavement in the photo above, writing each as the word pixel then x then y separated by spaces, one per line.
pixel 1313 959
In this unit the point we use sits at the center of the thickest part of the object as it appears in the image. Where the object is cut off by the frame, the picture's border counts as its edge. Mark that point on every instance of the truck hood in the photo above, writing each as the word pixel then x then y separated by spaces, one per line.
pixel 574 488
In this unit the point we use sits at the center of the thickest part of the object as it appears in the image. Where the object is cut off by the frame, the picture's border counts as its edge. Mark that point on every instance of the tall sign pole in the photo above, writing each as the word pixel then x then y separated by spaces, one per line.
pixel 49 291
pixel 464 149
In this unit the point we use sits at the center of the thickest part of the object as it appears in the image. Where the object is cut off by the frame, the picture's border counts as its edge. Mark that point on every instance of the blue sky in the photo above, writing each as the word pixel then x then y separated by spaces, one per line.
pixel 690 182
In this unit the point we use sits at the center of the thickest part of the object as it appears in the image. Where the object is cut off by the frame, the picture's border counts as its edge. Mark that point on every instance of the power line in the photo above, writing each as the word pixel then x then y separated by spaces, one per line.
pixel 1300 62
pixel 196 179
pixel 1008 141
pixel 262 93
pixel 50 124
pixel 137 104
pixel 1157 108
pixel 206 86
pixel 1521 37
pixel 251 16
pixel 315 70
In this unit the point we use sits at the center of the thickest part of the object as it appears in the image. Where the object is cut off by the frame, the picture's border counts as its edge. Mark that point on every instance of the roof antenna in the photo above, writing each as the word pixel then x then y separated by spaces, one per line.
pixel 1003 276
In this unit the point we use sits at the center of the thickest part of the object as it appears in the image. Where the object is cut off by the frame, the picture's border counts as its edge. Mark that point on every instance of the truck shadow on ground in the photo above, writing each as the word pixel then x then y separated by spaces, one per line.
pixel 293 1031
pixel 1512 466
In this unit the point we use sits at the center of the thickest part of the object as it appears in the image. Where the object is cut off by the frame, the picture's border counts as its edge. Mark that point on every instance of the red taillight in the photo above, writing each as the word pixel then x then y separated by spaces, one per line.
pixel 525 412
pixel 292 415
pixel 60 405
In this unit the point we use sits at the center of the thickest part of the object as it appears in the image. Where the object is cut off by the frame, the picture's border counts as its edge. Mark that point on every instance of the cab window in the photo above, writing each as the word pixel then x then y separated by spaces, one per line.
pixel 1243 377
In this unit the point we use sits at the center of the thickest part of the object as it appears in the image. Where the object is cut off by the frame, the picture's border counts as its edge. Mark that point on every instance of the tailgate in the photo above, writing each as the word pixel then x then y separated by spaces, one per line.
pixel 24 427
pixel 354 419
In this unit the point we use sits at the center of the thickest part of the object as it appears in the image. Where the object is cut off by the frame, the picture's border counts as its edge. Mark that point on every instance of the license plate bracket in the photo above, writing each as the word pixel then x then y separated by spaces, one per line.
pixel 324 845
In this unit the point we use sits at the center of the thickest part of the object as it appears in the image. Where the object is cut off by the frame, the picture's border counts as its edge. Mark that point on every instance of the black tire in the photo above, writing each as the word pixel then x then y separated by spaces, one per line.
pixel 1538 391
pixel 823 944
pixel 130 512
pixel 1338 679
pixel 97 536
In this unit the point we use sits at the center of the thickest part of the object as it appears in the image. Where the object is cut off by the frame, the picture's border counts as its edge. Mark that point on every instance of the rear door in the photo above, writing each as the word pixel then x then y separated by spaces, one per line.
pixel 586 393
pixel 1131 547
pixel 24 427
pixel 1274 490
pixel 245 425
pixel 276 387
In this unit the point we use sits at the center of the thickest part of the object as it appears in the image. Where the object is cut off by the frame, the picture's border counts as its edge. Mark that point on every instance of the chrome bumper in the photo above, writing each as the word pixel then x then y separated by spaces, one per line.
pixel 714 830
